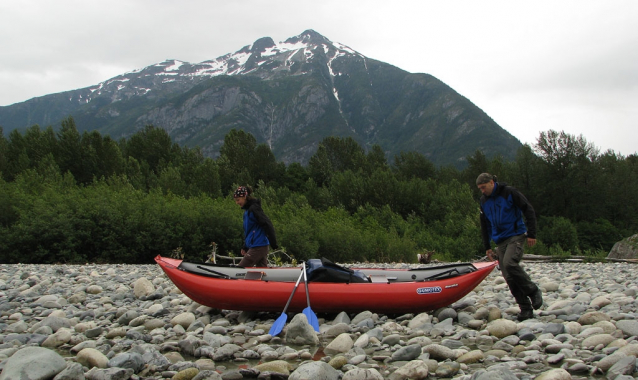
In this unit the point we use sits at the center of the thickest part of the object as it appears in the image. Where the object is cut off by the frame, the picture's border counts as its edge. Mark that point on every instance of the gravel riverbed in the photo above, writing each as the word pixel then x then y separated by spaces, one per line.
pixel 112 322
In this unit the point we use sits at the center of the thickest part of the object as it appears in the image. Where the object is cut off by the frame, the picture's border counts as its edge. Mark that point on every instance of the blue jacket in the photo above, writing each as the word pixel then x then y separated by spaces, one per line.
pixel 258 228
pixel 502 215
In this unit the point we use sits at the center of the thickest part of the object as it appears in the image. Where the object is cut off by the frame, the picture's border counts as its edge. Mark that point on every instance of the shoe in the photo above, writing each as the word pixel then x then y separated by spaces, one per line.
pixel 537 299
pixel 525 314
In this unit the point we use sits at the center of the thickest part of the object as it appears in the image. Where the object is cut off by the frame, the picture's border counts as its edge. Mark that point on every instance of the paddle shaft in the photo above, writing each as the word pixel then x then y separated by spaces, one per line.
pixel 293 292
pixel 310 315
pixel 305 281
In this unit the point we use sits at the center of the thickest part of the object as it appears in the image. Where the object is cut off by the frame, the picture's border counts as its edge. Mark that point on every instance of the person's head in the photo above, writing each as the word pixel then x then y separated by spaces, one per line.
pixel 485 183
pixel 242 194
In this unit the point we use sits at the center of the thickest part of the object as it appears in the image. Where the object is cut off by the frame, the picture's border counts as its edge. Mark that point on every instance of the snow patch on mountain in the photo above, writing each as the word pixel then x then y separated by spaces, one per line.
pixel 235 63
pixel 175 66
pixel 249 59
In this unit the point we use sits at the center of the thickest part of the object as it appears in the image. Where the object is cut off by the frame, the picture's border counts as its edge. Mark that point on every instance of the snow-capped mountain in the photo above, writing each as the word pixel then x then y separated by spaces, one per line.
pixel 289 95
pixel 264 58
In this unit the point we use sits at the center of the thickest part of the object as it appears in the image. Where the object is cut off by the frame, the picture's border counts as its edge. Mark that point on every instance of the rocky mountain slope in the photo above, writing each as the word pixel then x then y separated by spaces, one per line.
pixel 289 95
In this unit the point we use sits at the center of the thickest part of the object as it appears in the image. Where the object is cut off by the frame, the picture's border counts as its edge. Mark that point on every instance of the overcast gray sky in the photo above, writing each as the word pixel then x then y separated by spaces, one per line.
pixel 532 66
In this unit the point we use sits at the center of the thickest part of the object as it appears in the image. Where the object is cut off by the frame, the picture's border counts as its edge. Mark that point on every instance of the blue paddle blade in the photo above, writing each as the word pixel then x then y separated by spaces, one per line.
pixel 281 321
pixel 312 318
pixel 278 325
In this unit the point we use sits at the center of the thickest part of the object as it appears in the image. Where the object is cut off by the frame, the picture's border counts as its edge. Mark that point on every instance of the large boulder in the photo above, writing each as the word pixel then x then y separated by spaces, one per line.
pixel 341 344
pixel 142 287
pixel 625 249
pixel 300 332
pixel 33 363
pixel 315 370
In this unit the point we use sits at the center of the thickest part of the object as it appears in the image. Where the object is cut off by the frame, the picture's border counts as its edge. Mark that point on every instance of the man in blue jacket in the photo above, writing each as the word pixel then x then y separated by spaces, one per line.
pixel 502 211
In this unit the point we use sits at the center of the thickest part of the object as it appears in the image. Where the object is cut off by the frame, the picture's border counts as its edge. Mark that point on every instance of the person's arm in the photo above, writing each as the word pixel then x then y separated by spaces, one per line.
pixel 265 223
pixel 244 247
pixel 485 231
pixel 528 211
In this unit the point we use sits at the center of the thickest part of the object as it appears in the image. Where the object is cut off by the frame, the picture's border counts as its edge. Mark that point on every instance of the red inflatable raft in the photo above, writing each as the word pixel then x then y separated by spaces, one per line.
pixel 389 291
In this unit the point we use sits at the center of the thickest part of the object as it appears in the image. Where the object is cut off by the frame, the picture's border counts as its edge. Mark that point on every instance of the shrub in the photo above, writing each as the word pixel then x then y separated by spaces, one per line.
pixel 598 234
pixel 558 231
pixel 557 251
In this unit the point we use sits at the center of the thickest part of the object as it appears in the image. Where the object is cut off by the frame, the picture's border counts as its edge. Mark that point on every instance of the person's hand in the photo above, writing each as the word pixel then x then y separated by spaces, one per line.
pixel 531 242
pixel 490 254
pixel 243 253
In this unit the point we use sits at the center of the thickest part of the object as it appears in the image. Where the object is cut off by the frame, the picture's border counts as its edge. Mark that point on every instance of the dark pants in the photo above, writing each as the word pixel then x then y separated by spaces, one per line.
pixel 255 256
pixel 510 254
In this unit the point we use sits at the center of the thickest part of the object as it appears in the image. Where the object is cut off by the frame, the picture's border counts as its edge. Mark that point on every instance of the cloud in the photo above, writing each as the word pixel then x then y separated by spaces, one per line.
pixel 530 65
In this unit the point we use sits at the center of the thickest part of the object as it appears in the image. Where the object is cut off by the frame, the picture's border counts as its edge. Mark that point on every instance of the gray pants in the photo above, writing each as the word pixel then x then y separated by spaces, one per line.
pixel 256 256
pixel 510 254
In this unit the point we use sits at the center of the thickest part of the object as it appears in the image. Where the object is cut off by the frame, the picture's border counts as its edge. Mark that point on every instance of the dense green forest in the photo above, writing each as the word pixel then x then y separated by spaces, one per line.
pixel 67 197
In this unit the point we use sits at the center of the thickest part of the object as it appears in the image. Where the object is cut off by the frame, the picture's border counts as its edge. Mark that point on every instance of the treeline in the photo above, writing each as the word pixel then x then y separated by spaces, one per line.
pixel 71 197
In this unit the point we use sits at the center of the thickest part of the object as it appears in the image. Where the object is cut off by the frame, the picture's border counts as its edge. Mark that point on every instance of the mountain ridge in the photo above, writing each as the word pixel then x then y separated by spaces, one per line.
pixel 289 95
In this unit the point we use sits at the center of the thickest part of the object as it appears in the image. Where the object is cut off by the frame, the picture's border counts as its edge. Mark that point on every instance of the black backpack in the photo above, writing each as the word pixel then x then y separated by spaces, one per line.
pixel 324 270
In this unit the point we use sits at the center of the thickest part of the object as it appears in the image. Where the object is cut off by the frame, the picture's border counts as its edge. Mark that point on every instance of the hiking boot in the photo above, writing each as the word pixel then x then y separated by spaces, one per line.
pixel 537 299
pixel 525 314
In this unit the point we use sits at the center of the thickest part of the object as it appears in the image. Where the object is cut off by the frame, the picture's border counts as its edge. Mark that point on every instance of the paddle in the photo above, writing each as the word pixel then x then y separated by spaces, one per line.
pixel 310 315
pixel 281 321
pixel 217 274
